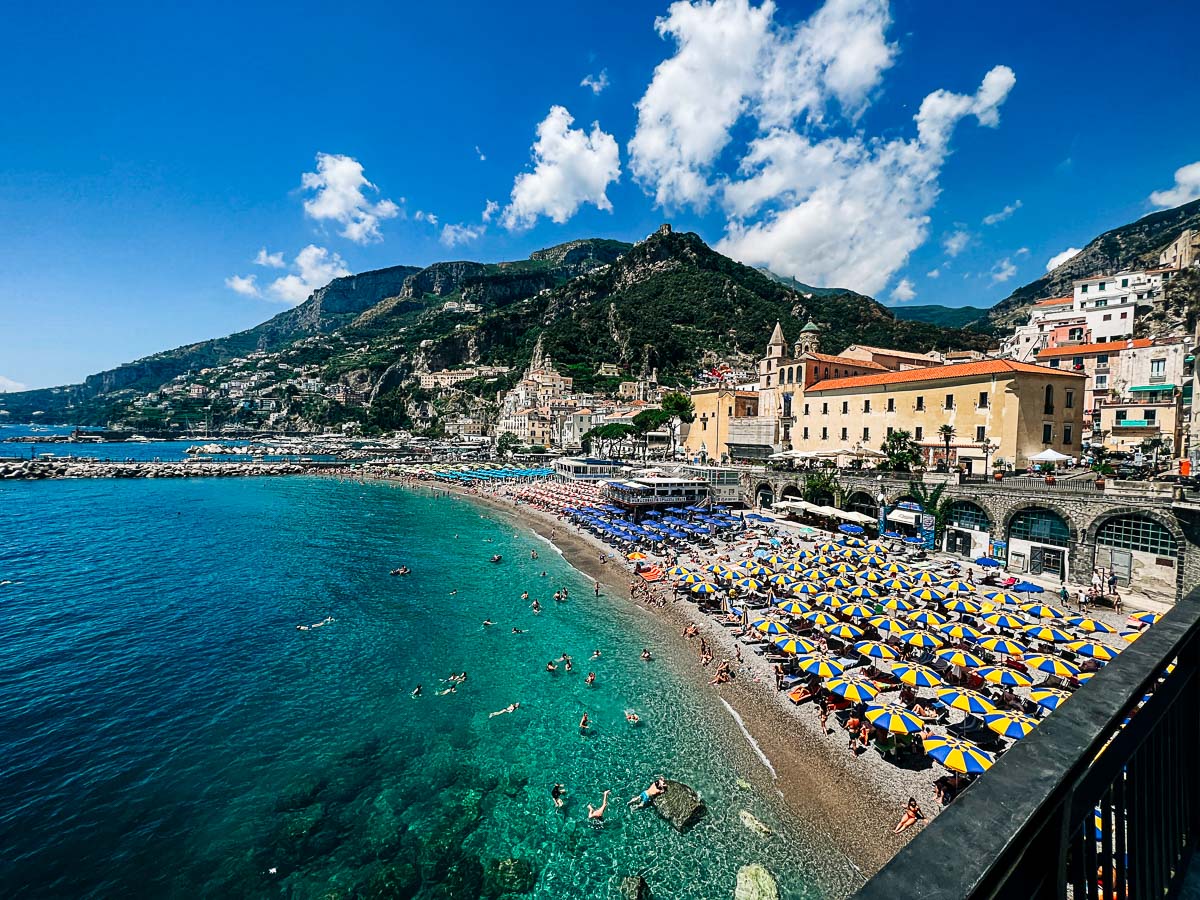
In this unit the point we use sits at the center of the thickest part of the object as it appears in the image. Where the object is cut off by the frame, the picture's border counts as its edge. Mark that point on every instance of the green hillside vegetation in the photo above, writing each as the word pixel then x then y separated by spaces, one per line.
pixel 946 316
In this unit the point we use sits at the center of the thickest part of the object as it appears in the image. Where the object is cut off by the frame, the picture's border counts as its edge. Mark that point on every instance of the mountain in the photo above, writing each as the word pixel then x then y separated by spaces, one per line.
pixel 669 303
pixel 946 316
pixel 1132 246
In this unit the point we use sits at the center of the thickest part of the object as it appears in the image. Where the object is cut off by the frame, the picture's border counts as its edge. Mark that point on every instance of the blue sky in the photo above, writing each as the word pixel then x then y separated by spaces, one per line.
pixel 151 151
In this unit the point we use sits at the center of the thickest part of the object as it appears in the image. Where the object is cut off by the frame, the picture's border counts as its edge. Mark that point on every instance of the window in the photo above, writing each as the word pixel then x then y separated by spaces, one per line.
pixel 1069 400
pixel 866 434
pixel 1077 362
pixel 1122 415
pixel 980 434
pixel 949 401
pixel 824 409
pixel 965 514
pixel 1101 285
pixel 806 434
pixel 845 407
pixel 1108 317
pixel 1136 532
pixel 1067 435
pixel 1125 315
pixel 1150 416
pixel 845 434
pixel 890 429
pixel 983 399
pixel 731 412
pixel 1103 301
pixel 866 406
pixel 806 409
pixel 1124 282
pixel 1048 406
pixel 1075 334
pixel 1158 367
pixel 1101 381
pixel 918 433
pixel 1047 433
pixel 891 404
pixel 704 424
pixel 1102 360
pixel 1054 363
pixel 1040 525
pixel 824 434
pixel 920 403
pixel 1083 289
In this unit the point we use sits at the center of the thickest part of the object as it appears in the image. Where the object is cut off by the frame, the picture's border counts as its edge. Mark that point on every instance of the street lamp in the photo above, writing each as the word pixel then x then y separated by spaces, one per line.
pixel 989 447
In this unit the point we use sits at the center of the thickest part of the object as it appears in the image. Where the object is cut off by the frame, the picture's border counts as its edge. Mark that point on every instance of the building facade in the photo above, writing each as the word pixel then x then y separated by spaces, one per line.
pixel 716 408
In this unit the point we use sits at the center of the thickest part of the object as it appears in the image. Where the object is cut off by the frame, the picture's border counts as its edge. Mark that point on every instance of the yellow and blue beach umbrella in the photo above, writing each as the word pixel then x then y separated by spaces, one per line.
pixel 917 676
pixel 704 587
pixel 1091 626
pixel 827 599
pixel 782 580
pixel 1004 675
pixel 923 639
pixel 1047 633
pixel 895 718
pixel 926 618
pixel 1051 698
pixel 863 590
pixel 1051 665
pixel 816 574
pixel 791 607
pixel 966 700
pixel 692 578
pixel 717 569
pixel 1148 618
pixel 845 631
pixel 1130 636
pixel 856 611
pixel 820 618
pixel 959 631
pixel 774 560
pixel 770 626
pixel 1002 645
pixel 1003 597
pixel 874 559
pixel 850 553
pixel 852 689
pixel 1005 620
pixel 926 578
pixel 843 569
pixel 958 755
pixel 1092 649
pixel 678 571
pixel 759 572
pixel 795 568
pixel 872 576
pixel 821 666
pixel 826 547
pixel 898 604
pixel 732 575
pixel 1085 677
pixel 959 587
pixel 875 650
pixel 1010 724
pixel 789 643
pixel 886 624
pixel 803 554
pixel 1042 611
pixel 824 559
pixel 853 542
pixel 806 587
pixel 926 593
pixel 838 581
pixel 748 584
pixel 959 658
pixel 895 568
pixel 958 605
pixel 896 584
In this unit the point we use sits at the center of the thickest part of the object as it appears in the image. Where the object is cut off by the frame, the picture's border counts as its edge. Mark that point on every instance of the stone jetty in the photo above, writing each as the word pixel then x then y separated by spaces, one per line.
pixel 37 469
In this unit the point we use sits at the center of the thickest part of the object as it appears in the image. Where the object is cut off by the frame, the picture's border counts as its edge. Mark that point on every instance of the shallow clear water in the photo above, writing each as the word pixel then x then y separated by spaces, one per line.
pixel 166 730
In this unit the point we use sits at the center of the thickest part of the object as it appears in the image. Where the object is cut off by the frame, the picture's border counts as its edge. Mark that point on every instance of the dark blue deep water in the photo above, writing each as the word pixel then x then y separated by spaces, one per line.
pixel 165 729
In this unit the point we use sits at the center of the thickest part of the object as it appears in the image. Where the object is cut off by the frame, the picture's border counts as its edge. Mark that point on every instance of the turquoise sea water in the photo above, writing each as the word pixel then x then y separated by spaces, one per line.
pixel 166 451
pixel 165 730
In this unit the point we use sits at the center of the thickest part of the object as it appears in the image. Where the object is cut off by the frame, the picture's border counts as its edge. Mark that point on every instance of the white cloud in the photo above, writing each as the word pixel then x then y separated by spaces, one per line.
pixel 314 267
pixel 482 156
pixel 1003 214
pixel 271 260
pixel 1024 251
pixel 490 210
pixel 244 285
pixel 955 242
pixel 903 291
pixel 1003 271
pixel 7 385
pixel 731 59
pixel 596 83
pixel 1059 258
pixel 454 235
pixel 338 186
pixel 571 167
pixel 422 216
pixel 934 273
pixel 1186 189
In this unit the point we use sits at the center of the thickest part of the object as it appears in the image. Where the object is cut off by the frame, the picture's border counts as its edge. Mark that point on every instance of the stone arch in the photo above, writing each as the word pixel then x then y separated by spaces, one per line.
pixel 969 512
pixel 862 501
pixel 764 494
pixel 1167 523
pixel 790 491
pixel 1049 506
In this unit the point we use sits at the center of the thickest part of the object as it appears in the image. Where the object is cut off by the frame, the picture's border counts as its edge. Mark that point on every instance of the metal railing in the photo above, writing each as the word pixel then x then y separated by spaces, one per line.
pixel 1102 800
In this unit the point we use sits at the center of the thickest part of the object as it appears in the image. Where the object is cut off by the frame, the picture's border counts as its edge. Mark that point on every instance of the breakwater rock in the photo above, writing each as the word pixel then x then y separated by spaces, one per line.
pixel 37 469
pixel 679 805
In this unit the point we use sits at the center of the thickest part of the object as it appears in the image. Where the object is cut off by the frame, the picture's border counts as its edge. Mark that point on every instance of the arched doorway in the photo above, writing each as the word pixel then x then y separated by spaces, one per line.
pixel 968 529
pixel 764 495
pixel 791 492
pixel 1038 542
pixel 862 502
pixel 1138 549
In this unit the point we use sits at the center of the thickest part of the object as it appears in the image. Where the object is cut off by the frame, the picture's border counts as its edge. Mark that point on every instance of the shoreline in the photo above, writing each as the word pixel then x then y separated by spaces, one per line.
pixel 827 792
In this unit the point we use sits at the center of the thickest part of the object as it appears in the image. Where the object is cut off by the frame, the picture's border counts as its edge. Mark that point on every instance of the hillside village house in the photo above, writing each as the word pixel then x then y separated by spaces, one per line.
pixel 1135 389
pixel 818 402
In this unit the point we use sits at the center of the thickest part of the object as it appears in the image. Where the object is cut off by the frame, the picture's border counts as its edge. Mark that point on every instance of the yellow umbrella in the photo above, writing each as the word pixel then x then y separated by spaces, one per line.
pixel 895 718
pixel 852 689
pixel 917 676
pixel 1010 724
pixel 636 554
pixel 958 755
pixel 966 700
pixel 876 650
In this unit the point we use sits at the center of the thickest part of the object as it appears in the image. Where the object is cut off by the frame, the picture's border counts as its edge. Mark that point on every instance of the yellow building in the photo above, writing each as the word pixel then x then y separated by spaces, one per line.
pixel 1019 409
pixel 715 409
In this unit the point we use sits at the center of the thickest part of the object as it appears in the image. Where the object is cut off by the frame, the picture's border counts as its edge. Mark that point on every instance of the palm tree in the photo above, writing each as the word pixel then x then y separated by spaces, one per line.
pixel 946 433
pixel 932 503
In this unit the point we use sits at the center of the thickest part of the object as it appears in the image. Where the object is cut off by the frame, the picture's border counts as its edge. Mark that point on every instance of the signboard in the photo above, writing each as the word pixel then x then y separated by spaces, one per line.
pixel 928 531
pixel 999 550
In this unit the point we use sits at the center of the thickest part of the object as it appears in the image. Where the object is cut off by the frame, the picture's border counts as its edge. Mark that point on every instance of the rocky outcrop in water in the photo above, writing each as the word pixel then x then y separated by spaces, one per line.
pixel 680 805
pixel 754 882
pixel 634 887
pixel 508 876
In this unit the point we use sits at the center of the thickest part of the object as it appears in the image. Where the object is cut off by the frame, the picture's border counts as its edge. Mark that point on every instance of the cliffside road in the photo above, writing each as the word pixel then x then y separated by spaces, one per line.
pixel 31 470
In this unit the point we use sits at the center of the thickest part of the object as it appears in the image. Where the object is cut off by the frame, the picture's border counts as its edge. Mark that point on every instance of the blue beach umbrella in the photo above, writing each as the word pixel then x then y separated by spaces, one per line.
pixel 987 562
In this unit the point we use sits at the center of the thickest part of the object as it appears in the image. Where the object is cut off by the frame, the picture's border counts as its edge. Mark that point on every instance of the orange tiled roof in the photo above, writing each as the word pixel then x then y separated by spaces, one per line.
pixel 846 361
pixel 1086 349
pixel 938 373
pixel 1054 301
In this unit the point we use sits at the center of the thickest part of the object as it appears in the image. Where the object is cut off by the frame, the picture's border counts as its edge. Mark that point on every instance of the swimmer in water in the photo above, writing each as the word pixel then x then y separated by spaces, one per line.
pixel 595 654
pixel 525 595
pixel 416 692
pixel 535 606
pixel 453 689
pixel 591 679
pixel 551 667
pixel 512 707
pixel 631 717
pixel 646 655
pixel 487 622
pixel 584 723
pixel 597 812
pixel 518 631
pixel 556 794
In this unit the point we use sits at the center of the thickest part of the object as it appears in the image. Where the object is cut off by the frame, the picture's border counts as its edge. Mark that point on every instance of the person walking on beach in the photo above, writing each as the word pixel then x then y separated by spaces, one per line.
pixel 597 812
pixel 823 716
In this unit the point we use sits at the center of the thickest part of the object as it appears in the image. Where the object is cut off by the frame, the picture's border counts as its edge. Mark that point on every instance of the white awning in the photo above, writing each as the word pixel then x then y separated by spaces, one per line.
pixel 907 516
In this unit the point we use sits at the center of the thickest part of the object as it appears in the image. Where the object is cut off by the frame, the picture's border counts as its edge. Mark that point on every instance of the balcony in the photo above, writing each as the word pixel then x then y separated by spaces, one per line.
pixel 1101 800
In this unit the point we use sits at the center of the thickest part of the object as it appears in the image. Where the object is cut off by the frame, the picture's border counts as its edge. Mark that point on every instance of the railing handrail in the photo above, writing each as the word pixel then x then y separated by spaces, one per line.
pixel 972 845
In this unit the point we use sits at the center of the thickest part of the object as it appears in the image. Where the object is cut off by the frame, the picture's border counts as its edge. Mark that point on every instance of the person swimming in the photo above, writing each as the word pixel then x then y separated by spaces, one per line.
pixel 487 622
pixel 512 707
pixel 596 813
pixel 416 692
pixel 551 667
pixel 595 654
pixel 556 794
pixel 631 717
pixel 646 654
pixel 584 723
pixel 591 678
pixel 646 797
pixel 535 606
pixel 518 631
